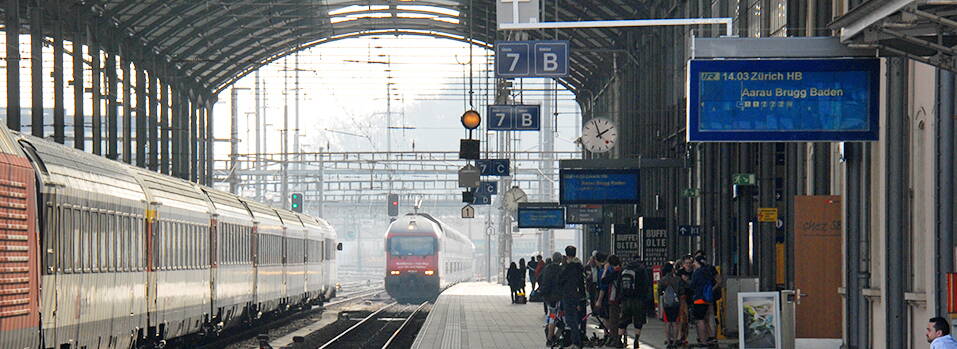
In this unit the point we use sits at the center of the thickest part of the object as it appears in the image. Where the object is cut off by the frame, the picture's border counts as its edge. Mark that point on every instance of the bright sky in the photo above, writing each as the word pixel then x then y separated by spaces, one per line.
pixel 343 96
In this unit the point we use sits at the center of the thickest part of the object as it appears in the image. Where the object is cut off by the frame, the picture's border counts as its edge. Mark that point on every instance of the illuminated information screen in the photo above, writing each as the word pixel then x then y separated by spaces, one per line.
pixel 783 100
pixel 551 217
pixel 598 187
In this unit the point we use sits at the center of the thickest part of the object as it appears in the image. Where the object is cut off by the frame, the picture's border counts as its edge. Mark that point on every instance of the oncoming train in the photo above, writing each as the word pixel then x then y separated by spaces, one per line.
pixel 95 253
pixel 424 256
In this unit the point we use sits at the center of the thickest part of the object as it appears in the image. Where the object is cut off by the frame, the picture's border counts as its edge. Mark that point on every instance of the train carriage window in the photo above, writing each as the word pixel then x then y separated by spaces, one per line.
pixel 95 247
pixel 222 249
pixel 86 255
pixel 139 245
pixel 62 252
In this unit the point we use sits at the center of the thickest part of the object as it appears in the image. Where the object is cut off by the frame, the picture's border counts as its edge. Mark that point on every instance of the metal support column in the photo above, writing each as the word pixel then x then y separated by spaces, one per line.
pixel 193 140
pixel 765 232
pixel 79 123
pixel 12 23
pixel 36 67
pixel 164 127
pixel 210 140
pixel 152 125
pixel 96 128
pixel 59 108
pixel 127 109
pixel 176 102
pixel 258 126
pixel 201 141
pixel 142 136
pixel 895 309
pixel 233 176
pixel 944 256
pixel 852 238
pixel 112 109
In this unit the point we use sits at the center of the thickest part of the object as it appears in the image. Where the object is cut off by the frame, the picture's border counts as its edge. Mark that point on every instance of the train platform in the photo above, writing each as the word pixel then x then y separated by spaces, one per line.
pixel 480 315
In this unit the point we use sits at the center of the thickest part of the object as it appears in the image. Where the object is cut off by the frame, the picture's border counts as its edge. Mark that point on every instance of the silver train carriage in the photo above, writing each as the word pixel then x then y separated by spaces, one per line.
pixel 95 253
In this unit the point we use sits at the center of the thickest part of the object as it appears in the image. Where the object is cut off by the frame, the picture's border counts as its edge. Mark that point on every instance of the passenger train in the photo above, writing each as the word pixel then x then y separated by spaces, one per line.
pixel 95 253
pixel 424 256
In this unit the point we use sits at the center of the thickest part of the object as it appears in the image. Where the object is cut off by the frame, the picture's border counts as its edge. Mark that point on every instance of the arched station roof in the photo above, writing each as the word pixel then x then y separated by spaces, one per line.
pixel 215 42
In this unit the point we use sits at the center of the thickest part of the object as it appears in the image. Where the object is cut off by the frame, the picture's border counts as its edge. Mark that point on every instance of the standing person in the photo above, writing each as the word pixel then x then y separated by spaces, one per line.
pixel 636 292
pixel 670 290
pixel 938 334
pixel 717 292
pixel 609 300
pixel 511 277
pixel 572 281
pixel 593 273
pixel 685 268
pixel 539 267
pixel 521 275
pixel 532 263
pixel 702 282
pixel 550 289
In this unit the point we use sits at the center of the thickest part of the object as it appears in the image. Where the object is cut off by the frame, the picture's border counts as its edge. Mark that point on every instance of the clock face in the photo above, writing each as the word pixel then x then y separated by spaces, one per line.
pixel 599 135
pixel 513 197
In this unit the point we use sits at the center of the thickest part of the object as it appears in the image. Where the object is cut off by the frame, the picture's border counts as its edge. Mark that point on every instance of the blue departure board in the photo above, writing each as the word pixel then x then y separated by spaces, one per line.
pixel 541 217
pixel 765 100
pixel 599 186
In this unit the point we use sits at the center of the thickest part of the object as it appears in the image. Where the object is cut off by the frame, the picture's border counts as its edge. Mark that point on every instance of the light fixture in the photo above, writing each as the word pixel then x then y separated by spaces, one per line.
pixel 412 225
pixel 394 272
pixel 429 272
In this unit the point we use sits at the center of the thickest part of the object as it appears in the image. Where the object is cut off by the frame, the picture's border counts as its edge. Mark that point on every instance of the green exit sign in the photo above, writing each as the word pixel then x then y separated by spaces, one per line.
pixel 691 192
pixel 744 179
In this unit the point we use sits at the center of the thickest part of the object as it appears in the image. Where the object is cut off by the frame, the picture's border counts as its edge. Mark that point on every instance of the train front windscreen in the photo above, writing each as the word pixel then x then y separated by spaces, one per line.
pixel 412 246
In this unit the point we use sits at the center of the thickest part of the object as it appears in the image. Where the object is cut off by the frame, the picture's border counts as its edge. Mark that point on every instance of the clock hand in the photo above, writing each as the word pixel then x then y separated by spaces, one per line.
pixel 603 132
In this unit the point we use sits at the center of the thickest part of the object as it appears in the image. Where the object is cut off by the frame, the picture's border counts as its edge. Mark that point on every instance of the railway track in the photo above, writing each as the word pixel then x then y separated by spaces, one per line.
pixel 370 331
pixel 250 332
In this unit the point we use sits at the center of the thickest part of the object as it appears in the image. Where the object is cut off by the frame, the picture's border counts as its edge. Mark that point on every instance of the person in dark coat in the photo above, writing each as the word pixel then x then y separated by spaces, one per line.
pixel 512 277
pixel 522 270
pixel 572 281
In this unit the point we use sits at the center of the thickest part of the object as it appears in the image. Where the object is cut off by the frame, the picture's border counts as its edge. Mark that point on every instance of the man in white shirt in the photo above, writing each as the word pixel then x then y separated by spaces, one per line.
pixel 938 334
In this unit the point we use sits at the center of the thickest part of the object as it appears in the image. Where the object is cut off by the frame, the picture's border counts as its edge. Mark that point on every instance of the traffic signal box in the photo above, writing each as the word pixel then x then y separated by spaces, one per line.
pixel 297 202
pixel 393 205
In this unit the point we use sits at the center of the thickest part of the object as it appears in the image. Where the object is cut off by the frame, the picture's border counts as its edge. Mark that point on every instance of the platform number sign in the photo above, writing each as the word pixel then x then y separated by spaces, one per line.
pixel 531 59
pixel 493 167
pixel 515 117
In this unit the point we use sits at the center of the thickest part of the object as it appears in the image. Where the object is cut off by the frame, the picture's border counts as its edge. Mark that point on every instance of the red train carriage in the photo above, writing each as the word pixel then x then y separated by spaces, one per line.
pixel 424 256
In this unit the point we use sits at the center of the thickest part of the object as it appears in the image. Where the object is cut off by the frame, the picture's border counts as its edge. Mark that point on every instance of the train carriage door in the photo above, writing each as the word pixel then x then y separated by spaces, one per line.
pixel 19 215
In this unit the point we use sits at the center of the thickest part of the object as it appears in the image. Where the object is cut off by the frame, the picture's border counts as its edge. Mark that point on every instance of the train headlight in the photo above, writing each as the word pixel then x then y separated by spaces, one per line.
pixel 394 272
pixel 429 272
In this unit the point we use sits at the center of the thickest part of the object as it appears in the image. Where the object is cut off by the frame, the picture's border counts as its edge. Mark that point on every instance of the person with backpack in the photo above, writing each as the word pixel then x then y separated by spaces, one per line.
pixel 670 289
pixel 549 288
pixel 609 300
pixel 703 284
pixel 635 286
pixel 572 281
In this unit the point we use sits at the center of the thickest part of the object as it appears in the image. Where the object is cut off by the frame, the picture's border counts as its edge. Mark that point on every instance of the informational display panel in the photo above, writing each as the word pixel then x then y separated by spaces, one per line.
pixel 584 214
pixel 775 100
pixel 541 217
pixel 599 186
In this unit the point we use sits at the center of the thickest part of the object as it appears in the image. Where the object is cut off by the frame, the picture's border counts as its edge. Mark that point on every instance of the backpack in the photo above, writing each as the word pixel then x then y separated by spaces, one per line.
pixel 706 291
pixel 670 298
pixel 629 282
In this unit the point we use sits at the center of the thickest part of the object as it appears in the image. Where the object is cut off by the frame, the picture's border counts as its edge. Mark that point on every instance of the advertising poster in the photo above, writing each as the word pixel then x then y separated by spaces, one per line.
pixel 759 320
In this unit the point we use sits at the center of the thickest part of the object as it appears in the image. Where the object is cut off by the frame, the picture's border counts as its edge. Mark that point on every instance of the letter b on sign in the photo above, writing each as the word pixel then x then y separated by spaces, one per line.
pixel 529 118
pixel 551 58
